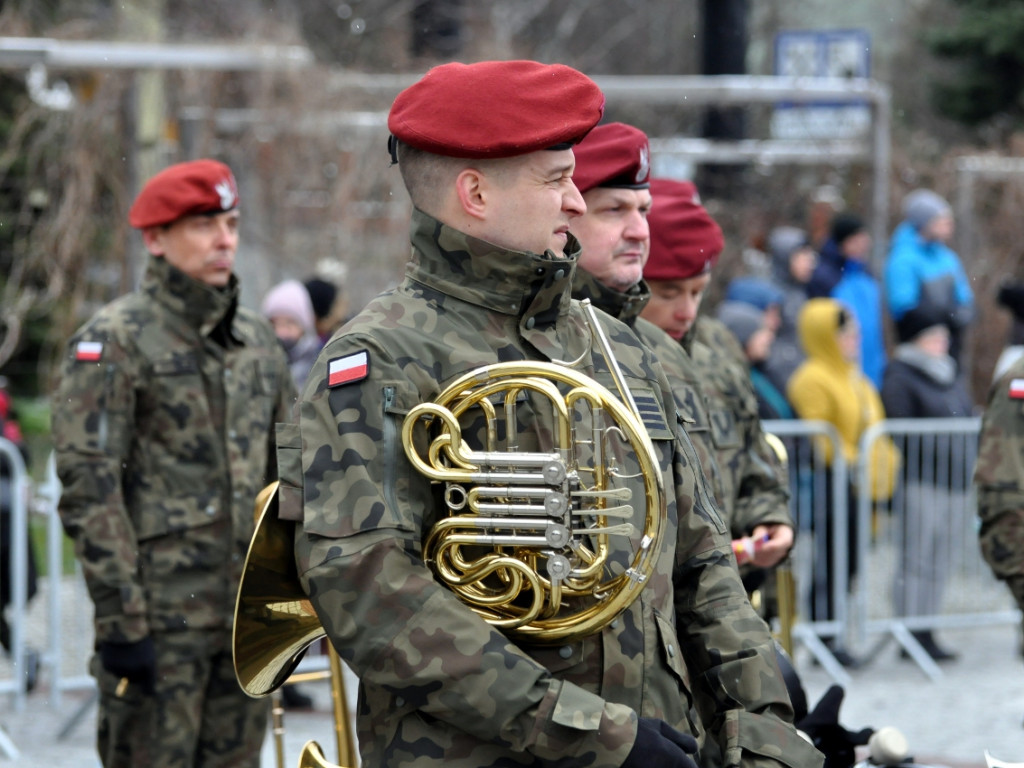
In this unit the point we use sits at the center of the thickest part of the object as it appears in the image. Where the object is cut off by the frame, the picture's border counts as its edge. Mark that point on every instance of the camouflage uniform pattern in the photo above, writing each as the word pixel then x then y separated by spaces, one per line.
pixel 194 669
pixel 999 477
pixel 162 445
pixel 754 489
pixel 681 373
pixel 438 685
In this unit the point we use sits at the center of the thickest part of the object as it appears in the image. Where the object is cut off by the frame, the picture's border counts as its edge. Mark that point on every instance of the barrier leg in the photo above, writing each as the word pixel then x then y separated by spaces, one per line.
pixel 823 655
pixel 916 651
pixel 76 717
pixel 7 748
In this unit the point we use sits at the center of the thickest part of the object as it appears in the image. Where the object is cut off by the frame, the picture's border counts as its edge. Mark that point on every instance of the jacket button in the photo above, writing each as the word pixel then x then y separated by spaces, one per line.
pixel 565 651
pixel 399 701
pixel 211 510
pixel 559 274
pixel 530 322
pixel 671 650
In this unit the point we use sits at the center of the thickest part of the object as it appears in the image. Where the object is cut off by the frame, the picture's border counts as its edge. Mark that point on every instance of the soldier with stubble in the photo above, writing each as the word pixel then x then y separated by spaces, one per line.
pixel 490 179
pixel 712 391
pixel 685 245
pixel 163 421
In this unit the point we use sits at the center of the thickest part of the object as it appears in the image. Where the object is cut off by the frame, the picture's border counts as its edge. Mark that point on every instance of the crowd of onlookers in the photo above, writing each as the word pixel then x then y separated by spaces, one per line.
pixel 813 326
pixel 923 292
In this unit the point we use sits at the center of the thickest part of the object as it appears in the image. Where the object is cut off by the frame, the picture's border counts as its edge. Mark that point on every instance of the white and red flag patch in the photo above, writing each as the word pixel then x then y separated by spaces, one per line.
pixel 1017 389
pixel 89 351
pixel 345 370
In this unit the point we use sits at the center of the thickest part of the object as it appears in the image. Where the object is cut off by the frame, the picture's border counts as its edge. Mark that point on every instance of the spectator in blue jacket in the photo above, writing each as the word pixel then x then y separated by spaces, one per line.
pixel 922 272
pixel 844 273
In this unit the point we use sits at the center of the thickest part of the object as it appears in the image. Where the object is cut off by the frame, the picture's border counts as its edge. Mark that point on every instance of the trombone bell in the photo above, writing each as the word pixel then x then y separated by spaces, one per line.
pixel 274 621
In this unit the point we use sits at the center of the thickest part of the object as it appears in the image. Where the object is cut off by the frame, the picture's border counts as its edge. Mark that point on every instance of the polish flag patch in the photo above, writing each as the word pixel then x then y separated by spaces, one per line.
pixel 345 370
pixel 1017 389
pixel 89 351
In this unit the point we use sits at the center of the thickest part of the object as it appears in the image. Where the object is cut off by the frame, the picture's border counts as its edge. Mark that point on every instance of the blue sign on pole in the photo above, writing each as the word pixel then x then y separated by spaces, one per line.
pixel 844 53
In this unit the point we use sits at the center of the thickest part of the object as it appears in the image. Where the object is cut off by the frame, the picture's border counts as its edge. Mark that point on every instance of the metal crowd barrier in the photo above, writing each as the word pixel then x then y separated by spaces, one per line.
pixel 16 576
pixel 818 505
pixel 918 564
pixel 923 567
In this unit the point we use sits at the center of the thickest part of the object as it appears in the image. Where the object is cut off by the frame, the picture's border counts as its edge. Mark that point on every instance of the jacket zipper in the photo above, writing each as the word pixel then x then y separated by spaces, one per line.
pixel 103 428
pixel 390 453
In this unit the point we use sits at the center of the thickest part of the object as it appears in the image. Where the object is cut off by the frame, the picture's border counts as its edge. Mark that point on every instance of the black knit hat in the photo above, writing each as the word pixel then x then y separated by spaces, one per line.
pixel 846 225
pixel 917 320
pixel 322 294
pixel 1011 296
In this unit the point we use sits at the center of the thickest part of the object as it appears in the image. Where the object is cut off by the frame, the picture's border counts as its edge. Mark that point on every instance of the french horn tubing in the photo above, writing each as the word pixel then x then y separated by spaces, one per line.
pixel 526 539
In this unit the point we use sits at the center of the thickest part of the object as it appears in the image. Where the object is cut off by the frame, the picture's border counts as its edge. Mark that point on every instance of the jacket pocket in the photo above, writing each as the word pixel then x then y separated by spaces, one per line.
pixel 289 472
pixel 672 656
pixel 724 430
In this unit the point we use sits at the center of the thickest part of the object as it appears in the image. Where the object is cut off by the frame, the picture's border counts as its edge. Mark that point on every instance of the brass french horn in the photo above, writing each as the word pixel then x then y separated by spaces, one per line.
pixel 275 623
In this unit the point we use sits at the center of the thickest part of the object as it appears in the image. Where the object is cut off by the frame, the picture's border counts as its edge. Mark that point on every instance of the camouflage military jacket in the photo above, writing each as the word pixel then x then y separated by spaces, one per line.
pixel 438 685
pixel 682 376
pixel 754 491
pixel 999 476
pixel 163 421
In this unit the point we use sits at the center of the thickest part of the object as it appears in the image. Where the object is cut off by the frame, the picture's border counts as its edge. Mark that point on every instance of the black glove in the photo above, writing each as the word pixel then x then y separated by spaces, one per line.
pixel 835 742
pixel 135 662
pixel 659 745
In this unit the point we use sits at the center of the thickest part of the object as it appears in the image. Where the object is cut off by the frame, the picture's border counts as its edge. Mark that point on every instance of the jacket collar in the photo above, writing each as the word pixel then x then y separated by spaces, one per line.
pixel 533 287
pixel 625 306
pixel 200 306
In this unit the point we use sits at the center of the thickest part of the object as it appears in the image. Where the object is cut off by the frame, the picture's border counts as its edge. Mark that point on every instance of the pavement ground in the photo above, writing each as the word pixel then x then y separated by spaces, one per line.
pixel 977 704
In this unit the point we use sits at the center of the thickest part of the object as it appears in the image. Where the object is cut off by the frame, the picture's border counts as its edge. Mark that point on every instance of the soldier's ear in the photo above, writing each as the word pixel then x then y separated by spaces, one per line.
pixel 152 238
pixel 471 190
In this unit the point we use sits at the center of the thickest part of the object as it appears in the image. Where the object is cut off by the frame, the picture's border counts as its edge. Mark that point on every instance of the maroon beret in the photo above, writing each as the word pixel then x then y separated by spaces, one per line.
pixel 613 155
pixel 685 240
pixel 185 189
pixel 496 109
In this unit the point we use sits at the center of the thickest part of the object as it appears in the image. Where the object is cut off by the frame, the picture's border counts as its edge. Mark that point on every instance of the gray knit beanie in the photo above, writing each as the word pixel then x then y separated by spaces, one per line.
pixel 783 242
pixel 744 320
pixel 923 205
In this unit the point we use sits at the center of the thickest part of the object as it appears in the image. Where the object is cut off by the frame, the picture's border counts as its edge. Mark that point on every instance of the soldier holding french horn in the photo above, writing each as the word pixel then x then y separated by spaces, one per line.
pixel 502 526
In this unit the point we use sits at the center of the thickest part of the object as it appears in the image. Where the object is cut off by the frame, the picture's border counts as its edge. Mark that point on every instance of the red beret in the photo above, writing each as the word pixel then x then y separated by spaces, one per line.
pixel 185 189
pixel 613 155
pixel 496 109
pixel 685 240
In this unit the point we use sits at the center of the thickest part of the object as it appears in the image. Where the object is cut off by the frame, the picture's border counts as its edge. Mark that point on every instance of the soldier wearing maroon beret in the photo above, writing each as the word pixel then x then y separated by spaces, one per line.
pixel 486 153
pixel 685 244
pixel 163 421
pixel 612 171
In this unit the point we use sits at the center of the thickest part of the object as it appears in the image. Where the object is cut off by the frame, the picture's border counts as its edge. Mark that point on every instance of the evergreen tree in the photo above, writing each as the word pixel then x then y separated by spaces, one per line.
pixel 988 43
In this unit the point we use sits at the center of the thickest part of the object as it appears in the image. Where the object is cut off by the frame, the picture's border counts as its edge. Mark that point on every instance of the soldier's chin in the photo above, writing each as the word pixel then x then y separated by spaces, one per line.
pixel 218 278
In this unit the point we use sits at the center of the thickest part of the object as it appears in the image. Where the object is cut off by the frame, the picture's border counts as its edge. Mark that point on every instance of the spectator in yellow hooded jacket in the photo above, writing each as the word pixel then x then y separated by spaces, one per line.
pixel 830 386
